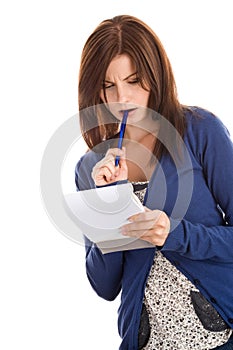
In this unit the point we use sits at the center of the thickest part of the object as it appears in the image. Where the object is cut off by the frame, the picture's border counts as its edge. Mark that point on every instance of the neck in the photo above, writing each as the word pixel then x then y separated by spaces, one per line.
pixel 139 132
pixel 134 133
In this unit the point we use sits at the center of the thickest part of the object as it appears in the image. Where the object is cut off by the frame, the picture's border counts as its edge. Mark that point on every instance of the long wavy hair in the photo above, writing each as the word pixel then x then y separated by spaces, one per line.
pixel 127 35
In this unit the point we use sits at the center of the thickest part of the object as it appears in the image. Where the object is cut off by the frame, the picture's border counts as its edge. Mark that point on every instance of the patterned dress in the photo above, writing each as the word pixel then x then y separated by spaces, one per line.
pixel 174 324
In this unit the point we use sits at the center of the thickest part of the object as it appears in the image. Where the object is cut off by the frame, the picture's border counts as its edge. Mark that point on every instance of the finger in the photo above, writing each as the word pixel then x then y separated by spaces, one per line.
pixel 123 153
pixel 108 163
pixel 104 172
pixel 155 241
pixel 120 168
pixel 122 162
pixel 113 152
pixel 111 166
pixel 140 225
pixel 146 215
pixel 154 235
pixel 147 209
pixel 137 233
pixel 157 238
pixel 136 229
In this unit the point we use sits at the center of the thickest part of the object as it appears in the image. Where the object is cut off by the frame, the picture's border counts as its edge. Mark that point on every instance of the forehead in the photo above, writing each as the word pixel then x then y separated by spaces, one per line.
pixel 121 66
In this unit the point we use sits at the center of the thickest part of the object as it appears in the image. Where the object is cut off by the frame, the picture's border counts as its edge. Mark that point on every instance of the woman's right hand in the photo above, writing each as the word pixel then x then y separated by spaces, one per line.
pixel 105 172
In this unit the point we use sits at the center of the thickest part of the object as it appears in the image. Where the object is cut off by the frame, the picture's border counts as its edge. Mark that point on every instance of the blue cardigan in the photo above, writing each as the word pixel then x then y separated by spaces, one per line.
pixel 197 194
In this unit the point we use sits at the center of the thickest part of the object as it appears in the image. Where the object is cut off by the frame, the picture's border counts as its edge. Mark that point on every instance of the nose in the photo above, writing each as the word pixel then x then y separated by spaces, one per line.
pixel 123 95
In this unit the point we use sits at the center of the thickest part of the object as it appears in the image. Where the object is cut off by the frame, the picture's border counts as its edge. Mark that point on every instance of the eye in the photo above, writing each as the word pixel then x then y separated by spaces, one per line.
pixel 107 85
pixel 134 81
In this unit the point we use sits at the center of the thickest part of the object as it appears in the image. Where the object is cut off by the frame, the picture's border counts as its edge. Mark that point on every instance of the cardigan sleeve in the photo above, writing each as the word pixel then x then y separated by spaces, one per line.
pixel 104 271
pixel 214 150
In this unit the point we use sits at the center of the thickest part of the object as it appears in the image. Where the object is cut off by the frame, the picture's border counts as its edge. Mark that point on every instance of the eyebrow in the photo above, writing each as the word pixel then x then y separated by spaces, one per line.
pixel 129 76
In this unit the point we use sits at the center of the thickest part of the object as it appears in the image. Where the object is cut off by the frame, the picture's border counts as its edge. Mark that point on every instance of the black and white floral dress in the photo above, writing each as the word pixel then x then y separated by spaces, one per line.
pixel 173 322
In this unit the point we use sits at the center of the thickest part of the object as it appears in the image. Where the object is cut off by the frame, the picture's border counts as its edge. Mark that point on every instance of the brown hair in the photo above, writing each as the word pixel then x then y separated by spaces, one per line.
pixel 127 35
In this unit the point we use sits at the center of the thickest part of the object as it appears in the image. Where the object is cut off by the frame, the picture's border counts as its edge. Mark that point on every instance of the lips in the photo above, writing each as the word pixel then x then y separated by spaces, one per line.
pixel 130 111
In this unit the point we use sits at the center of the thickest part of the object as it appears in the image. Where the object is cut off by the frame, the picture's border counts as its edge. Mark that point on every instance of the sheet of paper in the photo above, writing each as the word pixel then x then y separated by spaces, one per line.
pixel 123 244
pixel 100 213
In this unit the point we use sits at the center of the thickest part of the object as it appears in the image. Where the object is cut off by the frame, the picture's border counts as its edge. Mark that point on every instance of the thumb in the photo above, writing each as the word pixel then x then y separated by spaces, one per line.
pixel 122 163
pixel 146 209
pixel 123 157
pixel 124 153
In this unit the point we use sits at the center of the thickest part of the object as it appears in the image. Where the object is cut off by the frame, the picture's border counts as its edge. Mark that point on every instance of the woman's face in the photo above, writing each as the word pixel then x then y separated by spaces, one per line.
pixel 122 89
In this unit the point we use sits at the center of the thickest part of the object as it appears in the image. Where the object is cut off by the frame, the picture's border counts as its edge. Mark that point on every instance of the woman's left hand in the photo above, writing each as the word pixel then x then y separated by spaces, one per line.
pixel 152 226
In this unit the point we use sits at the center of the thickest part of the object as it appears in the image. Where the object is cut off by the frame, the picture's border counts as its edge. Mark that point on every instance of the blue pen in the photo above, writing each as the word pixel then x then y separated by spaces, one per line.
pixel 122 131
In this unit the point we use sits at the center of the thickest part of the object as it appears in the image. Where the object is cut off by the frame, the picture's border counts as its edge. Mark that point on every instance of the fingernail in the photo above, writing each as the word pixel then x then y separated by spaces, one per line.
pixel 132 218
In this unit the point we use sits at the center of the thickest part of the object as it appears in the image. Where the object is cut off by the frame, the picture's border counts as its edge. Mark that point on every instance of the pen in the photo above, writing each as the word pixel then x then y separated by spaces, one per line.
pixel 122 131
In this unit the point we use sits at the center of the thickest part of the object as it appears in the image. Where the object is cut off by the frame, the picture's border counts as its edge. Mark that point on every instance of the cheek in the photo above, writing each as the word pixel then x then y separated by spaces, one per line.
pixel 144 97
pixel 108 96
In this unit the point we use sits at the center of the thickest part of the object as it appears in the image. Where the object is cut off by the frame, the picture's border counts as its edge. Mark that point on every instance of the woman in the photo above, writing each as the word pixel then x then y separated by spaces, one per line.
pixel 176 294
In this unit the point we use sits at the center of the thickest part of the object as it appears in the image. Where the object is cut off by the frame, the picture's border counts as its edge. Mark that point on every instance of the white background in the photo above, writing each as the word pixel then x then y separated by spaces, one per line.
pixel 46 300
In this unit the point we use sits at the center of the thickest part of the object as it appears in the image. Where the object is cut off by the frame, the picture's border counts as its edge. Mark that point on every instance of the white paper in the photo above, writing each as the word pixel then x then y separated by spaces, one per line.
pixel 100 213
